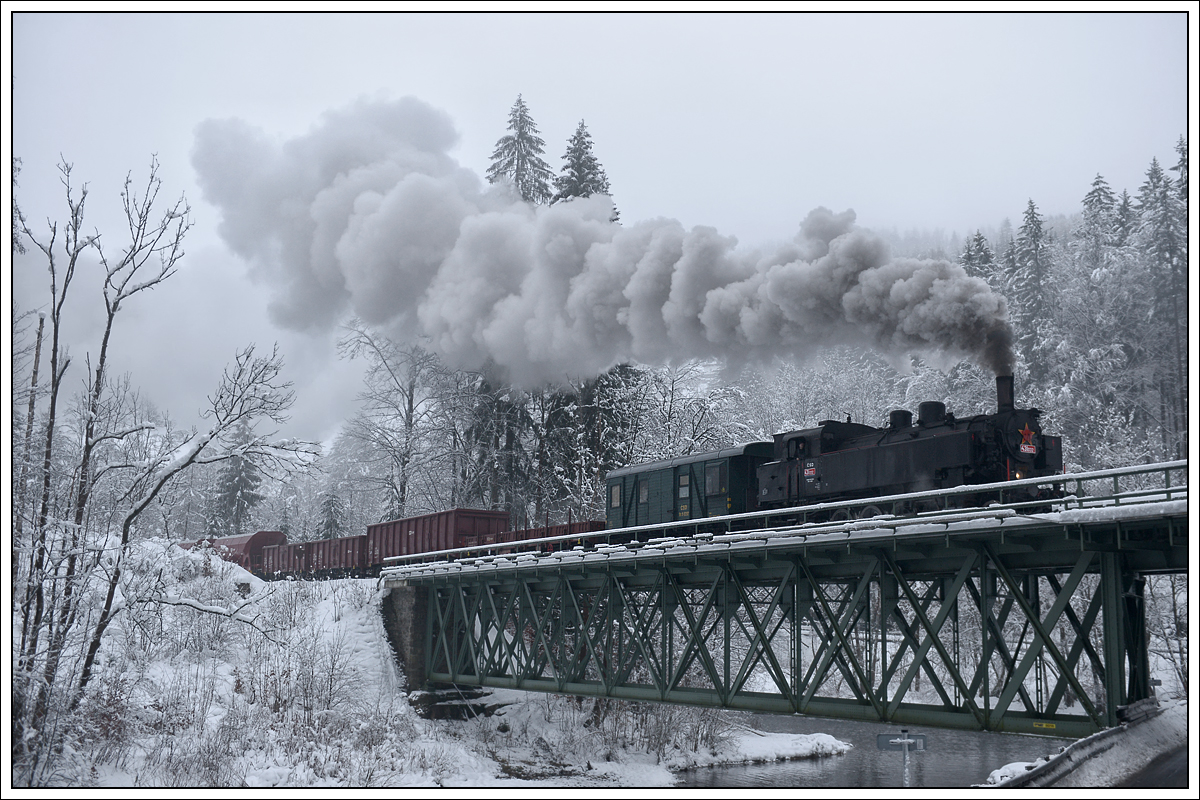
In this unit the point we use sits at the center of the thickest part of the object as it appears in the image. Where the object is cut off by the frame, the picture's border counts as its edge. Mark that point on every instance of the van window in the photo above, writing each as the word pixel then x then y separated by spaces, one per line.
pixel 643 491
pixel 615 496
pixel 715 479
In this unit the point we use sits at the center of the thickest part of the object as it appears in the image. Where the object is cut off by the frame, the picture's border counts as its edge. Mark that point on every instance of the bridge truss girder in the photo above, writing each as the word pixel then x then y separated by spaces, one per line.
pixel 1035 634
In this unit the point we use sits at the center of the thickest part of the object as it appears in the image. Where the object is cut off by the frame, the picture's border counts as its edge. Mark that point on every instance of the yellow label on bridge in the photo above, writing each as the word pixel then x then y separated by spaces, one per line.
pixel 1043 725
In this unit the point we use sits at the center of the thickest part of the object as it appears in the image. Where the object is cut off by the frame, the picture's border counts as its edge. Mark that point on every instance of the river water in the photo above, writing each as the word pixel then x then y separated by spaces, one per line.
pixel 953 758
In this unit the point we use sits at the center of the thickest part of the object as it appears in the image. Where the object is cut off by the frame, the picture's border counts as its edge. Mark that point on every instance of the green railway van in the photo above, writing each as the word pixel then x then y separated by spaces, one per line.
pixel 687 487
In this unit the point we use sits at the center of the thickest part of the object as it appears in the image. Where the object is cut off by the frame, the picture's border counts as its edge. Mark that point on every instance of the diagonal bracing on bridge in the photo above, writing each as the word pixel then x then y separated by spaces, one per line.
pixel 988 620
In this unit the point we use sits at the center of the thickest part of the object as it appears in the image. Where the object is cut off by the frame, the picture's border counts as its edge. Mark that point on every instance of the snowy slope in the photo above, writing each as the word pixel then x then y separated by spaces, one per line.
pixel 215 678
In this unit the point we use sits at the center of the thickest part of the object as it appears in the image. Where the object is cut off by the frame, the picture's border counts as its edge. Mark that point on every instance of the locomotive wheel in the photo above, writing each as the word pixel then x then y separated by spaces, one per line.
pixel 841 515
pixel 869 511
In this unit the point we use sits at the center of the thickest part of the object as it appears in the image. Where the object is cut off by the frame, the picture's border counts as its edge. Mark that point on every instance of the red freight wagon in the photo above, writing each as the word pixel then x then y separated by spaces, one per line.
pixel 286 559
pixel 245 551
pixel 445 530
pixel 273 561
pixel 338 557
pixel 566 529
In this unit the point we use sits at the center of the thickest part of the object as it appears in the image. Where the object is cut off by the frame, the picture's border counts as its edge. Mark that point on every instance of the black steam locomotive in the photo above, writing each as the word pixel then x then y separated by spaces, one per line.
pixel 844 461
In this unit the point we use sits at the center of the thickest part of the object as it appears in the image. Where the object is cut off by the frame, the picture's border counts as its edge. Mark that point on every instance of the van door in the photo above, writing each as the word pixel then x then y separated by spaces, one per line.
pixel 683 493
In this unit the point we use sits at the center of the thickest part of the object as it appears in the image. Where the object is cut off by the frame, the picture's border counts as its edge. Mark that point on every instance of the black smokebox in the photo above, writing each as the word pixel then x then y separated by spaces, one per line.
pixel 1005 400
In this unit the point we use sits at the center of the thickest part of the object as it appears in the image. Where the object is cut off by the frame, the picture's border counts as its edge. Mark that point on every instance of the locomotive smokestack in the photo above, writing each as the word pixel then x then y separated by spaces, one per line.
pixel 1005 400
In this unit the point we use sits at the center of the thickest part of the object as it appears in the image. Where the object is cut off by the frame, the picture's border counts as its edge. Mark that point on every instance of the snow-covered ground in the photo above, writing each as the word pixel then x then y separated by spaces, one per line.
pixel 215 678
pixel 549 737
pixel 1131 752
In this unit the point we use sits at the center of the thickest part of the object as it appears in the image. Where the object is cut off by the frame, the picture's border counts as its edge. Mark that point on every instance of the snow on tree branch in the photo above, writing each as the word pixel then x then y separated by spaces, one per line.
pixel 234 613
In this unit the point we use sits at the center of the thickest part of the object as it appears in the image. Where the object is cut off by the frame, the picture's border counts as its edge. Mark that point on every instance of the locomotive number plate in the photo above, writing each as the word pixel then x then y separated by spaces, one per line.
pixel 810 471
pixel 1029 448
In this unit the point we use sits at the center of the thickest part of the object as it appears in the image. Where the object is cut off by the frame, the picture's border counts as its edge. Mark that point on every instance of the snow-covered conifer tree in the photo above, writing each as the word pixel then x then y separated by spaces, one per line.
pixel 517 157
pixel 977 257
pixel 582 175
pixel 237 489
pixel 333 513
pixel 1029 282
pixel 1161 232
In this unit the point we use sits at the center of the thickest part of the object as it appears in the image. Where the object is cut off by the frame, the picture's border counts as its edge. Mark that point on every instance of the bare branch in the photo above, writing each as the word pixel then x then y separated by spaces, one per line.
pixel 231 613
pixel 160 240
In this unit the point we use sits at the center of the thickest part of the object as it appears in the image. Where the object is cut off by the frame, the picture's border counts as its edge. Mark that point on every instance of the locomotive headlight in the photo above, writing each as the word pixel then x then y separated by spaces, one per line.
pixel 1020 475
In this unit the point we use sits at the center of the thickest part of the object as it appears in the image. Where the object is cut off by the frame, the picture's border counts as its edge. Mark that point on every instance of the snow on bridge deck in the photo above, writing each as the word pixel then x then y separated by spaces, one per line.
pixel 813 535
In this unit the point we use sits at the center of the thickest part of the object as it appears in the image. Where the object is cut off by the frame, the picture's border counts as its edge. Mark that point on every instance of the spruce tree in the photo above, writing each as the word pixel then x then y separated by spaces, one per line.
pixel 333 515
pixel 1097 231
pixel 518 157
pixel 1028 281
pixel 1100 201
pixel 582 175
pixel 1161 232
pixel 1126 220
pixel 977 257
pixel 237 489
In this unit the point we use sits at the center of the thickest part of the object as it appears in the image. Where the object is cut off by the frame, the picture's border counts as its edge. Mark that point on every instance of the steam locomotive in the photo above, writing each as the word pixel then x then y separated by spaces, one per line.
pixel 845 461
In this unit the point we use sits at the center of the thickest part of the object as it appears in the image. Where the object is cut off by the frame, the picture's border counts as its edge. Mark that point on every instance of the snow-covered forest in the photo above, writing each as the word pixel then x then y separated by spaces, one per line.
pixel 103 482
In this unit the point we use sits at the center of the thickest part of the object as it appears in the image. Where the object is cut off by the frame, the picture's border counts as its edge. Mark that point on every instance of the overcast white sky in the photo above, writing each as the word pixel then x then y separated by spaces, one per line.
pixel 743 123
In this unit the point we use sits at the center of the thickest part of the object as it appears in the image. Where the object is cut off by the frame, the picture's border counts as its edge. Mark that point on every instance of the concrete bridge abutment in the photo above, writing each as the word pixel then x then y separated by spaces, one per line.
pixel 405 617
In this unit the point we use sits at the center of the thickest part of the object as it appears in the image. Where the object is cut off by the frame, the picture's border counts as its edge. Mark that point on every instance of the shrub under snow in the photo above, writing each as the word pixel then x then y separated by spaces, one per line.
pixel 213 678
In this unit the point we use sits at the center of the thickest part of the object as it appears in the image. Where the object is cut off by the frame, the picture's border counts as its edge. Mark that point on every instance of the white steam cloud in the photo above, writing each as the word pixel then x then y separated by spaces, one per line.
pixel 368 214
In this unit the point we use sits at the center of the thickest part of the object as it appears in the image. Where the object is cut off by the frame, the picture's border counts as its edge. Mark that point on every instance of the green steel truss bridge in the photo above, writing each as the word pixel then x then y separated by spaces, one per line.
pixel 1012 617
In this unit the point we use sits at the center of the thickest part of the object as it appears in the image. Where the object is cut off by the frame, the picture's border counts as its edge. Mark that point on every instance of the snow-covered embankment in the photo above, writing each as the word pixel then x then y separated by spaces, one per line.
pixel 1125 749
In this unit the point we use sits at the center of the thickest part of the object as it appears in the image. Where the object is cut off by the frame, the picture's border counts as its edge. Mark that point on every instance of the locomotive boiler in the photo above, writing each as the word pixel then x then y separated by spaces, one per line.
pixel 845 460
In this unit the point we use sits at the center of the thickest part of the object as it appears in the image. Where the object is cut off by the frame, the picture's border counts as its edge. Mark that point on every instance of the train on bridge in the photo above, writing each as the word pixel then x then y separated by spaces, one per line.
pixel 269 555
pixel 832 462
pixel 837 461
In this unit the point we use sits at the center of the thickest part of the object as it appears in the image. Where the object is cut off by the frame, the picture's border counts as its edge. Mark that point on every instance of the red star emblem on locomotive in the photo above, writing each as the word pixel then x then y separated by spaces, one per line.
pixel 1026 434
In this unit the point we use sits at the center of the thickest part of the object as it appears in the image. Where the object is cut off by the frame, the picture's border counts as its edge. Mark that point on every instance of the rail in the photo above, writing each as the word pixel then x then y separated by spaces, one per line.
pixel 1148 483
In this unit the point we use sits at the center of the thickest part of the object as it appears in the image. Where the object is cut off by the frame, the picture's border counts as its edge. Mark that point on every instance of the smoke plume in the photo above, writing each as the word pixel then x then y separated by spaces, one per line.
pixel 367 214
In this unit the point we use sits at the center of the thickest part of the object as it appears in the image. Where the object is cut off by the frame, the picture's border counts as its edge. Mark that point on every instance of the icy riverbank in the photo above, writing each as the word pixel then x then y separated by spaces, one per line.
pixel 1124 752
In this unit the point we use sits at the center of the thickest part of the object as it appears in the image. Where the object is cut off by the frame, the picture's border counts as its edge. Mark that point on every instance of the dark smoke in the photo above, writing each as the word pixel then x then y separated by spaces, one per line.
pixel 367 214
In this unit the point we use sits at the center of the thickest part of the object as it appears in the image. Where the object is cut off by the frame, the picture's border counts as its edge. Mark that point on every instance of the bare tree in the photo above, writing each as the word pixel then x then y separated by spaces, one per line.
pixel 154 249
pixel 61 261
pixel 395 406
pixel 76 527
pixel 251 389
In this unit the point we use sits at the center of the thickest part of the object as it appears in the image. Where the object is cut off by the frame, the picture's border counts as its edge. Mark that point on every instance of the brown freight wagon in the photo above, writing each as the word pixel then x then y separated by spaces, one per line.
pixel 285 559
pixel 245 551
pixel 445 530
pixel 566 529
pixel 335 558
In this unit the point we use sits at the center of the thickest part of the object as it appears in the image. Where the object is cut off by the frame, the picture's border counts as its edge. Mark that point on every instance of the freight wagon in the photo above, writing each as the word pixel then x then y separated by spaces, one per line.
pixel 246 551
pixel 445 530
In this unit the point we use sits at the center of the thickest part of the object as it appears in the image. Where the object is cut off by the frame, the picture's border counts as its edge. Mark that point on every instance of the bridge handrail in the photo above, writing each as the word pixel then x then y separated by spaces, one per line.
pixel 1167 491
